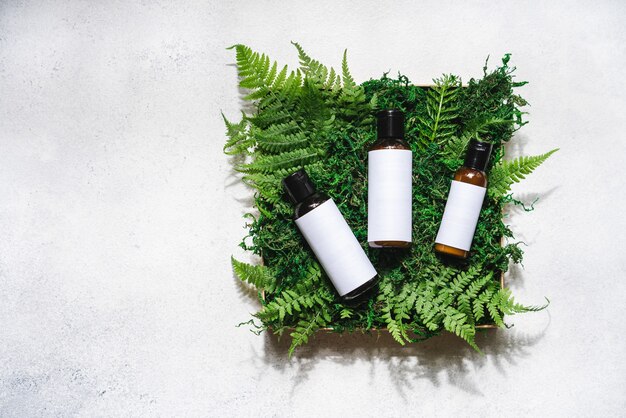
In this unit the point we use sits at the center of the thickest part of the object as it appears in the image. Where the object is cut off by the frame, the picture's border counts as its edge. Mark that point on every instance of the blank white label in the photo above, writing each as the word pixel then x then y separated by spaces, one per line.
pixel 389 195
pixel 336 247
pixel 461 215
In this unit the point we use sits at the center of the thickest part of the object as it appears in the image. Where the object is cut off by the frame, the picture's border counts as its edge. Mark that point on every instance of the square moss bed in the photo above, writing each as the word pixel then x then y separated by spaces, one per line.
pixel 320 119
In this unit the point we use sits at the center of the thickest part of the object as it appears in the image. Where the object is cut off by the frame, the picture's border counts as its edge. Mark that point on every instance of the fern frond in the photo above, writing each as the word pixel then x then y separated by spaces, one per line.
pixel 478 305
pixel 286 304
pixel 293 82
pixel 281 137
pixel 334 82
pixel 442 109
pixel 508 306
pixel 478 309
pixel 393 326
pixel 430 304
pixel 315 71
pixel 386 297
pixel 281 78
pixel 305 59
pixel 445 299
pixel 407 304
pixel 259 276
pixel 455 146
pixel 348 81
pixel 273 114
pixel 464 278
pixel 307 327
pixel 260 75
pixel 425 295
pixel 253 68
pixel 346 313
pixel 265 181
pixel 505 173
pixel 476 286
pixel 282 143
pixel 306 294
pixel 464 305
pixel 287 160
pixel 269 185
pixel 403 304
pixel 493 307
pixel 456 323
pixel 312 106
pixel 239 141
pixel 374 102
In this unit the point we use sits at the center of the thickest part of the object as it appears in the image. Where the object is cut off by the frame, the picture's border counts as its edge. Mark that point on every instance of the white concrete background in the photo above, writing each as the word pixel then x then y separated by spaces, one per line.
pixel 119 212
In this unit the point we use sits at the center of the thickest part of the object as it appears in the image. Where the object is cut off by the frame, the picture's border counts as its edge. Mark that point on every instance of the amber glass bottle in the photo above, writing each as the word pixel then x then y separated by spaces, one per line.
pixel 465 200
pixel 331 239
pixel 389 178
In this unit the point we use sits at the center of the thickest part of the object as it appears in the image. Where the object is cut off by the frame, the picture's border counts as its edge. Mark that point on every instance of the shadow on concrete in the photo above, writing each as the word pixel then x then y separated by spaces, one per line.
pixel 442 359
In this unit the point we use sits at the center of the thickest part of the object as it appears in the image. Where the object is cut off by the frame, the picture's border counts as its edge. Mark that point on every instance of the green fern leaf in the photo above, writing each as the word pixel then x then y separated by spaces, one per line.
pixel 305 59
pixel 394 326
pixel 261 76
pixel 282 143
pixel 455 322
pixel 374 102
pixel 480 302
pixel 346 313
pixel 259 276
pixel 348 81
pixel 504 174
pixel 464 278
pixel 507 305
pixel 478 309
pixel 455 147
pixel 268 184
pixel 281 137
pixel 476 286
pixel 307 327
pixel 315 71
pixel 287 160
pixel 253 68
pixel 464 305
pixel 280 79
pixel 334 82
pixel 307 293
pixel 239 141
pixel 441 110
pixel 493 306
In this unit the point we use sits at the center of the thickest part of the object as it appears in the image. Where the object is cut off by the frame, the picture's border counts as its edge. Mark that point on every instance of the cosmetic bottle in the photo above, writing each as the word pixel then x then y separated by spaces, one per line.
pixel 331 239
pixel 389 184
pixel 465 200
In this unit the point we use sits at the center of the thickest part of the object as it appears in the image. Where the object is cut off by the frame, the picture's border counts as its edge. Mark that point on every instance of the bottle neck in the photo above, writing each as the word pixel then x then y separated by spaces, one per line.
pixel 390 143
pixel 474 166
pixel 471 176
pixel 309 203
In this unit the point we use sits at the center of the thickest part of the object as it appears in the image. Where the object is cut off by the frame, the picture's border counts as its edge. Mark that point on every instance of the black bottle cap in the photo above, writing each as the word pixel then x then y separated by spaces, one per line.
pixel 390 123
pixel 477 156
pixel 298 186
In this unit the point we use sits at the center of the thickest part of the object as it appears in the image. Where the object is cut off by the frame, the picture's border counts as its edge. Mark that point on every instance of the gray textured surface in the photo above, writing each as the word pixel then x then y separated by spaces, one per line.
pixel 119 212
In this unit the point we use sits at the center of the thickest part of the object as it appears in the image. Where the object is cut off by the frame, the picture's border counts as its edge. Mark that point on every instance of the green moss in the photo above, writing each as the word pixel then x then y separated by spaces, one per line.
pixel 314 120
